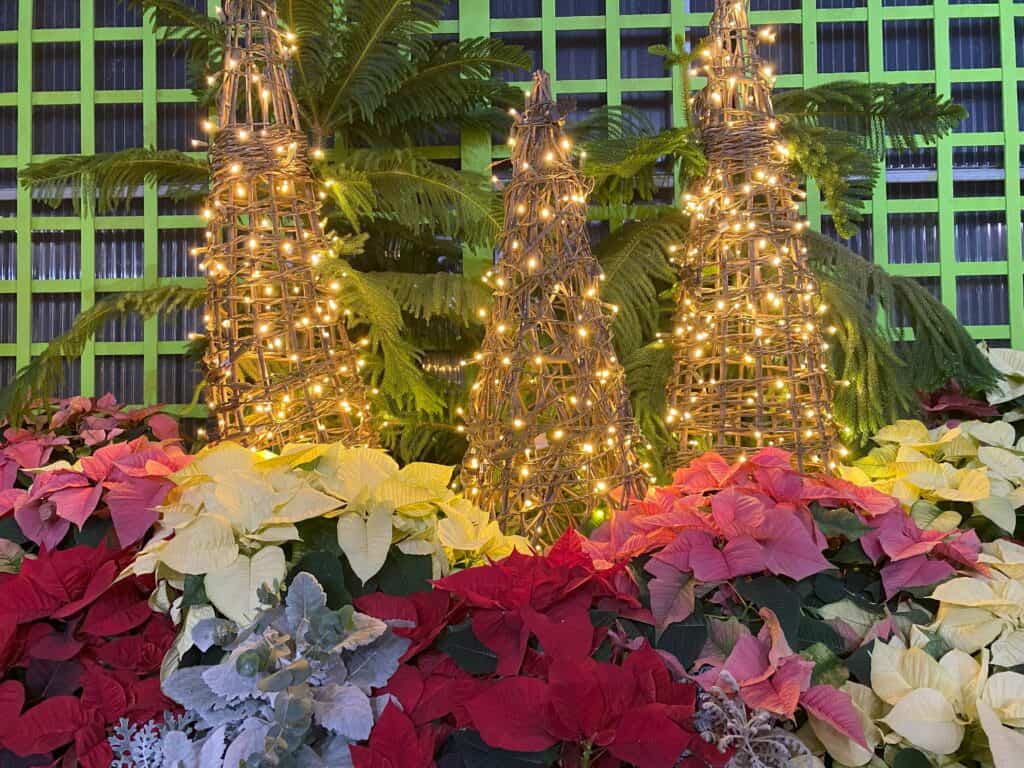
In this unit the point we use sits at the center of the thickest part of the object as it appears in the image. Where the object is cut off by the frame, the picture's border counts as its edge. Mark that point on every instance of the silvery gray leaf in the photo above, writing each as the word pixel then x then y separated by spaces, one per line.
pixel 212 749
pixel 367 629
pixel 373 665
pixel 210 632
pixel 251 740
pixel 187 687
pixel 336 753
pixel 179 752
pixel 305 597
pixel 225 681
pixel 344 710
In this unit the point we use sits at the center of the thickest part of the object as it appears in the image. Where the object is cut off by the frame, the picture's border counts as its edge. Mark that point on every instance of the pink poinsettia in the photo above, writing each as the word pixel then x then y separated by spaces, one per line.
pixel 770 676
pixel 918 558
pixel 125 481
pixel 30 449
pixel 56 500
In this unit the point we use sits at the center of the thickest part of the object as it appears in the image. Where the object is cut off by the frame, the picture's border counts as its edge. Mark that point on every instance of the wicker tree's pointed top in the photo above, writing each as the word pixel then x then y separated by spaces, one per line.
pixel 550 429
pixel 739 85
pixel 256 90
pixel 279 363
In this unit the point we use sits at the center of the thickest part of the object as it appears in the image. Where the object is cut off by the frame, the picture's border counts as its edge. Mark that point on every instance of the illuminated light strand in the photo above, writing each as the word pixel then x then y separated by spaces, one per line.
pixel 748 350
pixel 280 367
pixel 549 429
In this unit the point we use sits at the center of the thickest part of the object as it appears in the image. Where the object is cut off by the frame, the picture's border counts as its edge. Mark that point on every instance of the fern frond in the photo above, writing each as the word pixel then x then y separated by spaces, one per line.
pixel 40 379
pixel 374 55
pixel 453 80
pixel 427 196
pixel 608 122
pixel 416 436
pixel 110 180
pixel 843 167
pixel 903 114
pixel 637 271
pixel 437 295
pixel 881 390
pixel 376 312
pixel 648 373
pixel 199 36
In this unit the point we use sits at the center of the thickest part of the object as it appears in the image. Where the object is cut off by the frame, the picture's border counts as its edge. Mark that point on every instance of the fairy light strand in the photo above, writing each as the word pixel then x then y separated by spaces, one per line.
pixel 280 366
pixel 550 430
pixel 749 354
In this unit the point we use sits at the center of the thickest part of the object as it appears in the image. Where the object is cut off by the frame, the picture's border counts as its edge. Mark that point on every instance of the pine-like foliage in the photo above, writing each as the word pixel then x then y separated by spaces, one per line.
pixel 870 310
pixel 637 273
pixel 42 377
pixel 108 181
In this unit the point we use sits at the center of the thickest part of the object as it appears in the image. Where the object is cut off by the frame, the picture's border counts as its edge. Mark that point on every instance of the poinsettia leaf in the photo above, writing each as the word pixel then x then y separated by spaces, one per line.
pixel 462 645
pixel 911 758
pixel 771 592
pixel 828 667
pixel 404 574
pixel 475 753
pixel 812 631
pixel 839 522
pixel 510 714
pixel 685 639
pixel 365 540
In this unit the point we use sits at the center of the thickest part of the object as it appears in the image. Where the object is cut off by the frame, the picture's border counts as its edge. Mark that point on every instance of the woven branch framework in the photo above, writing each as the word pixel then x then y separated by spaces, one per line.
pixel 749 368
pixel 550 429
pixel 280 366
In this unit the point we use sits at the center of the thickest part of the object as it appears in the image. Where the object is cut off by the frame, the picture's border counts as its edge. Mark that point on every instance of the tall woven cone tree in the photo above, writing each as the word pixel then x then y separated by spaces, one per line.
pixel 749 353
pixel 550 429
pixel 280 366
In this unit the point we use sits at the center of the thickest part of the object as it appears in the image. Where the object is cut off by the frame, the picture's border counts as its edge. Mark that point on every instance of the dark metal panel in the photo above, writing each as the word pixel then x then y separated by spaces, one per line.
pixel 127 326
pixel 909 44
pixel 118 65
pixel 119 253
pixel 8 318
pixel 913 238
pixel 580 55
pixel 979 236
pixel 982 300
pixel 56 129
pixel 973 43
pixel 177 378
pixel 53 14
pixel 843 46
pixel 56 255
pixel 635 56
pixel 984 105
pixel 53 314
pixel 122 376
pixel 56 67
pixel 174 257
pixel 118 126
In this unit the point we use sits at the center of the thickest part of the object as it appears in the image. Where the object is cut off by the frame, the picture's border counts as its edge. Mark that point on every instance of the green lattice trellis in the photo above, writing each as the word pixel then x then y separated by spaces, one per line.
pixel 476 151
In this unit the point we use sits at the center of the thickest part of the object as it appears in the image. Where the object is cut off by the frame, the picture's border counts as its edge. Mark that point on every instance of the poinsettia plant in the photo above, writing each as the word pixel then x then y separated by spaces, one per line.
pixel 79 651
pixel 525 659
pixel 970 473
pixel 237 521
pixel 74 471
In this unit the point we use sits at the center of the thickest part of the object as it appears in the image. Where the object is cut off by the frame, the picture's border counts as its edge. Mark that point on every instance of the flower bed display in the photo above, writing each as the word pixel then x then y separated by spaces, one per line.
pixel 327 607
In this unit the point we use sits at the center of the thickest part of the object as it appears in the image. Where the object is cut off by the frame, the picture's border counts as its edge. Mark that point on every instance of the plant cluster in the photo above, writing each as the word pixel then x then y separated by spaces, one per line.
pixel 294 688
pixel 79 651
pixel 525 661
pixel 238 520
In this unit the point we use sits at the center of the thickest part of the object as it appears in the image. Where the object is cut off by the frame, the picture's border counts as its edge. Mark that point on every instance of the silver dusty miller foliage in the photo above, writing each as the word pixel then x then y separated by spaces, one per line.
pixel 757 737
pixel 293 690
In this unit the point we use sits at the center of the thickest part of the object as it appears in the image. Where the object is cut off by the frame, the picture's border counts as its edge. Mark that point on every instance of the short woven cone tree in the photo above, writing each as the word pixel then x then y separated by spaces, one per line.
pixel 550 427
pixel 280 367
pixel 749 354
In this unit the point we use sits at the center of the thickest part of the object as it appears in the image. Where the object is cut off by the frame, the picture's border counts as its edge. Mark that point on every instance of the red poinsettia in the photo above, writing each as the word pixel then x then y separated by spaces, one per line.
pixel 85 651
pixel 527 679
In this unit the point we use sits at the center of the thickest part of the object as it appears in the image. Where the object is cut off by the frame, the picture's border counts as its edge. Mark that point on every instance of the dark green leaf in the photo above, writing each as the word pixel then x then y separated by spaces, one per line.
pixel 10 530
pixel 194 592
pixel 839 522
pixel 326 568
pixel 467 651
pixel 859 663
pixel 475 753
pixel 404 574
pixel 603 618
pixel 813 631
pixel 771 592
pixel 851 553
pixel 910 758
pixel 685 639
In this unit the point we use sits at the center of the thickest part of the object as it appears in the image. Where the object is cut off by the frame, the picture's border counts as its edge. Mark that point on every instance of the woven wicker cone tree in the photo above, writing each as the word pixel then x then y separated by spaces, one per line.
pixel 280 367
pixel 550 430
pixel 749 366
